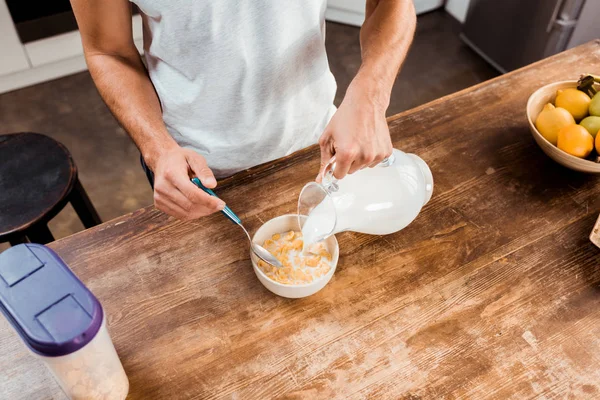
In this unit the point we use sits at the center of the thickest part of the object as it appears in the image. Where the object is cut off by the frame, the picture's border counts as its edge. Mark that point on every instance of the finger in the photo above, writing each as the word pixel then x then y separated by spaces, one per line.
pixel 200 169
pixel 164 204
pixel 376 161
pixel 174 196
pixel 327 153
pixel 176 180
pixel 171 209
pixel 327 150
pixel 342 165
pixel 356 166
pixel 165 191
pixel 178 212
pixel 325 169
pixel 362 161
pixel 174 190
pixel 202 211
pixel 197 196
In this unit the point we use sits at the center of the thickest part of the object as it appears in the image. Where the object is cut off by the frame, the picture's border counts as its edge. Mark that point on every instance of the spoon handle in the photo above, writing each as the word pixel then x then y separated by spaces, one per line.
pixel 227 211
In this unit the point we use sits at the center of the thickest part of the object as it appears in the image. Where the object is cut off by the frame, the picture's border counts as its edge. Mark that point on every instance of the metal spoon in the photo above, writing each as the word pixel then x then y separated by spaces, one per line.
pixel 260 251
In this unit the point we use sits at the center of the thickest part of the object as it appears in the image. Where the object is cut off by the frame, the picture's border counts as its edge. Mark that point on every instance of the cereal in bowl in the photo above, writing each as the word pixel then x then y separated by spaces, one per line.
pixel 298 267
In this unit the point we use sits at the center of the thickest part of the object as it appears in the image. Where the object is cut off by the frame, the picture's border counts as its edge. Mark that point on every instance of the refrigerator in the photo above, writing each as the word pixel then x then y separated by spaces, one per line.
pixel 510 34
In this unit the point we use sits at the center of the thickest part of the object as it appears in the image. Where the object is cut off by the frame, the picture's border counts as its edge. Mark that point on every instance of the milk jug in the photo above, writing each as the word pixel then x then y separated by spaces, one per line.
pixel 377 201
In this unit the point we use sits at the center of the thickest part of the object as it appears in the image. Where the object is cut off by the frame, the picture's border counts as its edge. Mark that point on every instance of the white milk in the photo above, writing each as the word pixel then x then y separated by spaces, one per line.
pixel 319 223
pixel 376 201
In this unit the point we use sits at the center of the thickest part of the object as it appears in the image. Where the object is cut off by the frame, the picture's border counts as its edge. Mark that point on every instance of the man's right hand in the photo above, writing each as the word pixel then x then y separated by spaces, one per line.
pixel 123 82
pixel 174 193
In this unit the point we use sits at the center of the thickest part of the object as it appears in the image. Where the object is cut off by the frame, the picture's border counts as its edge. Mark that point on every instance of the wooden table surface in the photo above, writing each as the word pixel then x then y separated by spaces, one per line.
pixel 492 292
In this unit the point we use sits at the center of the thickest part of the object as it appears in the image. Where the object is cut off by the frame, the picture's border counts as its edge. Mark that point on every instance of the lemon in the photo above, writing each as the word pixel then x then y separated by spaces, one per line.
pixel 575 140
pixel 574 101
pixel 551 120
pixel 592 124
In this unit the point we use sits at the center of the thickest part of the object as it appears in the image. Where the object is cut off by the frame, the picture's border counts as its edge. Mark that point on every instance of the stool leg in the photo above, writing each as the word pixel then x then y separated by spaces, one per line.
pixel 40 234
pixel 15 240
pixel 83 206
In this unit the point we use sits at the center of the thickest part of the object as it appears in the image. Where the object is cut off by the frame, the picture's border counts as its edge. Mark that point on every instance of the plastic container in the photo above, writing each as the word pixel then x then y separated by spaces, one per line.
pixel 61 322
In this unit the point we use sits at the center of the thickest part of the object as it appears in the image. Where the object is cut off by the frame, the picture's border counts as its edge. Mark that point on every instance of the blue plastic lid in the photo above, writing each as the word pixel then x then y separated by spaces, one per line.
pixel 50 308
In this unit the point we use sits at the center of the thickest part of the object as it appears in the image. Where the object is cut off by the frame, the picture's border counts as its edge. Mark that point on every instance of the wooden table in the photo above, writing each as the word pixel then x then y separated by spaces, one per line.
pixel 491 293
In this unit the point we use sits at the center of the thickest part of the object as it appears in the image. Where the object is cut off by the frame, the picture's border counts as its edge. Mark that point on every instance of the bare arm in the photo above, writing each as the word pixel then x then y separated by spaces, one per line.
pixel 125 86
pixel 385 38
pixel 119 74
pixel 358 133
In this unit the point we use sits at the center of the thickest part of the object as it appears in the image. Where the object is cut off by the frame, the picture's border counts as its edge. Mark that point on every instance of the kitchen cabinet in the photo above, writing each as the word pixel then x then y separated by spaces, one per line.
pixel 44 59
pixel 13 54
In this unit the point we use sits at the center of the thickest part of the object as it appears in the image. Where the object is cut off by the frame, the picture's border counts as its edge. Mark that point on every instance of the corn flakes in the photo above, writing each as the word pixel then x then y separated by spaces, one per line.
pixel 312 261
pixel 298 267
pixel 290 236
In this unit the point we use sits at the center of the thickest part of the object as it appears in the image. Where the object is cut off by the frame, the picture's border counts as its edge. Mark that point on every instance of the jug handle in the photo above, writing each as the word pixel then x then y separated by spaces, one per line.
pixel 326 177
pixel 329 181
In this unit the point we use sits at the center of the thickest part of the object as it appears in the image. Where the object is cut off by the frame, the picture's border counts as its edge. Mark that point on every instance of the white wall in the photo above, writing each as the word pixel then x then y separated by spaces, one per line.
pixel 352 12
pixel 45 59
pixel 458 9
pixel 13 54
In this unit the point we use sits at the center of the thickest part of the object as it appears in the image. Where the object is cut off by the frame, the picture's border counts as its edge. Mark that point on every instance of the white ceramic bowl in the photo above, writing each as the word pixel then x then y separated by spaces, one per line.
pixel 286 223
pixel 537 101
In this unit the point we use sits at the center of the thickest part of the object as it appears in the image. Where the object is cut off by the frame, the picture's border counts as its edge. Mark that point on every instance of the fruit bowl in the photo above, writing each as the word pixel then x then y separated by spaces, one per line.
pixel 536 102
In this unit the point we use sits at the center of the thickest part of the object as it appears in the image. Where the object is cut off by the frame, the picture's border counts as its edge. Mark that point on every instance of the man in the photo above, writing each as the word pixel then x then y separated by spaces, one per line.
pixel 232 84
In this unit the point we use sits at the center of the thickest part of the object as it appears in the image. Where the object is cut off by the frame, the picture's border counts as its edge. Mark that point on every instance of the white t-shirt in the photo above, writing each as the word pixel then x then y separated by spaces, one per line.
pixel 242 82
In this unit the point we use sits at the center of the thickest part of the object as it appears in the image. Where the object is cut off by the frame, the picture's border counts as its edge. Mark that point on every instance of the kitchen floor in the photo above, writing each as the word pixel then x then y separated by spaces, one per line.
pixel 70 110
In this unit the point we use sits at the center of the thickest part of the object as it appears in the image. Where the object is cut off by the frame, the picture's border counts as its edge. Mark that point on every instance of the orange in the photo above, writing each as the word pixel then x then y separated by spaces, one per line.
pixel 551 120
pixel 575 140
pixel 574 101
pixel 598 144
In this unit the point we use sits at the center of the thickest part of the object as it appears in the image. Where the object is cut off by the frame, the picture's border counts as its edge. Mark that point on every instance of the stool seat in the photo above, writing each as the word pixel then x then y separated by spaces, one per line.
pixel 38 177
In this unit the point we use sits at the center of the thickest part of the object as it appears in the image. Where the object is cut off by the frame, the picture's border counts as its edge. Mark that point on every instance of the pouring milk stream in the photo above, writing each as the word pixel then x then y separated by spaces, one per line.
pixel 376 201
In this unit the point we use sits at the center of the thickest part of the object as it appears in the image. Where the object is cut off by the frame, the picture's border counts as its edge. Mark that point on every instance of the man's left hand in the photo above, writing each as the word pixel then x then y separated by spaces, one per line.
pixel 358 135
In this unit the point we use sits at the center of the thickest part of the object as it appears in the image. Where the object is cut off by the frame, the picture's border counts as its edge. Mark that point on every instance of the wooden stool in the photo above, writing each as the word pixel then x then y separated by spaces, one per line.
pixel 37 179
